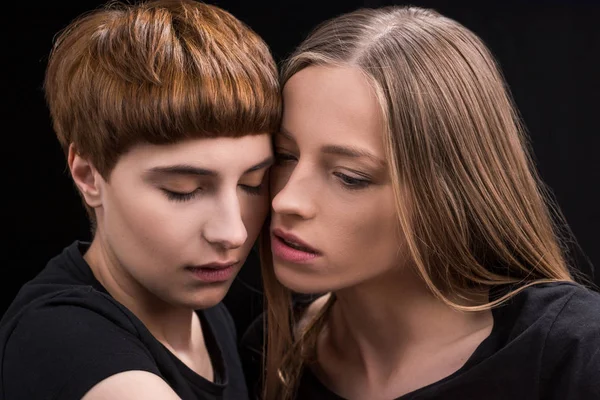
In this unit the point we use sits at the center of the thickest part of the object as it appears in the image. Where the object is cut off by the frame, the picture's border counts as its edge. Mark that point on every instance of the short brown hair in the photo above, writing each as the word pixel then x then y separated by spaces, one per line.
pixel 158 72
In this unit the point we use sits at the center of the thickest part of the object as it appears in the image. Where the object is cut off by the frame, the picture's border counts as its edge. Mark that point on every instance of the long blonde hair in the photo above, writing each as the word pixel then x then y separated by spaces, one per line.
pixel 479 215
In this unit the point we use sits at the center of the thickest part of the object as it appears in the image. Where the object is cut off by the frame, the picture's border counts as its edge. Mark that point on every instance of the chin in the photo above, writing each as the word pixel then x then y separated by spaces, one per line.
pixel 205 302
pixel 302 283
pixel 205 297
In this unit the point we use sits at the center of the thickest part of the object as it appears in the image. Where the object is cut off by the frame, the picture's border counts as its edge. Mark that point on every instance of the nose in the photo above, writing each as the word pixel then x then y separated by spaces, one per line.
pixel 294 192
pixel 225 228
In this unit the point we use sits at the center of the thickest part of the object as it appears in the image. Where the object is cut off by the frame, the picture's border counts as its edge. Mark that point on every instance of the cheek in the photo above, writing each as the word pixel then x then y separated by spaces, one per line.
pixel 381 235
pixel 368 231
pixel 147 218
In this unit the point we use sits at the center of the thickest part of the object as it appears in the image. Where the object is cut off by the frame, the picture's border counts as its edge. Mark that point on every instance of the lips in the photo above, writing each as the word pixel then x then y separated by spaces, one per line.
pixel 291 249
pixel 294 242
pixel 216 265
pixel 214 272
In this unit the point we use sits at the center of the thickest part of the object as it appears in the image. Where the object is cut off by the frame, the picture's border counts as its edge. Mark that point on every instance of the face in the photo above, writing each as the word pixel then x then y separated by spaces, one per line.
pixel 334 222
pixel 179 220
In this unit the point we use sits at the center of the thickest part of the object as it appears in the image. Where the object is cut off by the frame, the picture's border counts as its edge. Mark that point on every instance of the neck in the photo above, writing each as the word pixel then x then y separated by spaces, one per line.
pixel 389 319
pixel 175 327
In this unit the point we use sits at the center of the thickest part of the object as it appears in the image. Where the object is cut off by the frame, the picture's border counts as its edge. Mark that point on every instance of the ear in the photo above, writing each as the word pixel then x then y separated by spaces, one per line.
pixel 86 177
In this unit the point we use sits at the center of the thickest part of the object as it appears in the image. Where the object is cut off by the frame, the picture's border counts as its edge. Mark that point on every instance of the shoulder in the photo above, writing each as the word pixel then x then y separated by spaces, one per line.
pixel 132 385
pixel 543 303
pixel 74 308
pixel 577 318
pixel 561 303
pixel 569 312
pixel 570 316
pixel 554 313
pixel 67 343
pixel 580 301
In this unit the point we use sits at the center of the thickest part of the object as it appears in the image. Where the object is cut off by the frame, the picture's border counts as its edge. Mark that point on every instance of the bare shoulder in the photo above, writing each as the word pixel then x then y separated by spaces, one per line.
pixel 132 385
pixel 311 312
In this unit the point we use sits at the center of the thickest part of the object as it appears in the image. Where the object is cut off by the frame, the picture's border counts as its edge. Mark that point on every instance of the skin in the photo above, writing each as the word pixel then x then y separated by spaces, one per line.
pixel 326 196
pixel 164 209
pixel 387 335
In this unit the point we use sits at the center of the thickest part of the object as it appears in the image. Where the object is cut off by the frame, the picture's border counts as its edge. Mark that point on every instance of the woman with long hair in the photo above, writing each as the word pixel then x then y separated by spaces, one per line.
pixel 404 192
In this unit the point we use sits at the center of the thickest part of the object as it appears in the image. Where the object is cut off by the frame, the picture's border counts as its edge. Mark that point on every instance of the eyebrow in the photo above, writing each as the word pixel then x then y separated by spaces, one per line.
pixel 346 151
pixel 267 162
pixel 184 169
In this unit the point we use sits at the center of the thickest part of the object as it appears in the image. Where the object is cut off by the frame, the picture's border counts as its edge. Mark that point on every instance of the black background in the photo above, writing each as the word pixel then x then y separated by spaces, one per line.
pixel 548 51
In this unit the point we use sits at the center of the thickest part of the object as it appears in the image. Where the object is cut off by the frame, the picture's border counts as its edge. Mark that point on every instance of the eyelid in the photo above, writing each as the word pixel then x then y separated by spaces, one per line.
pixel 359 183
pixel 181 196
pixel 359 174
pixel 253 190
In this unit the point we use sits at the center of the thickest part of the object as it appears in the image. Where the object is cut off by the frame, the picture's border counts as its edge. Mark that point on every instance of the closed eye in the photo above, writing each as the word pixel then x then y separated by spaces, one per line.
pixel 252 190
pixel 181 196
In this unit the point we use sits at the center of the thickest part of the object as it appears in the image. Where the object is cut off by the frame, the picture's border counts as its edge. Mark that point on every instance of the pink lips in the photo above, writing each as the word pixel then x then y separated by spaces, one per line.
pixel 290 248
pixel 214 272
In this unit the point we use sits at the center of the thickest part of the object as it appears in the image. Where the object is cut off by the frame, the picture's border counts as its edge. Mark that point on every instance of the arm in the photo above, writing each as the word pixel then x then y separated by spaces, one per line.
pixel 132 385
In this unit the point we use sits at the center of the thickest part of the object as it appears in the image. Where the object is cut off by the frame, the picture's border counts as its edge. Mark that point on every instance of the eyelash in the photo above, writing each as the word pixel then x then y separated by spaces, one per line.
pixel 348 182
pixel 182 197
pixel 252 190
pixel 352 183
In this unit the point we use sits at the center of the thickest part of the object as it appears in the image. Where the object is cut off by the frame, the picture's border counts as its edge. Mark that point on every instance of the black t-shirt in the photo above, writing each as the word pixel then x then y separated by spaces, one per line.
pixel 545 344
pixel 64 333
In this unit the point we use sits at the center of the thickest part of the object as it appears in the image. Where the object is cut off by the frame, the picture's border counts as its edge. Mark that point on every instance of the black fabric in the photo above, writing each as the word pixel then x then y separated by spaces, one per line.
pixel 545 344
pixel 244 300
pixel 64 333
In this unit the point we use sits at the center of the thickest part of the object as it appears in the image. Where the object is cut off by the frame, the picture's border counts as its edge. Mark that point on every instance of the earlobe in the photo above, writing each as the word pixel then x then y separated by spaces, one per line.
pixel 85 176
